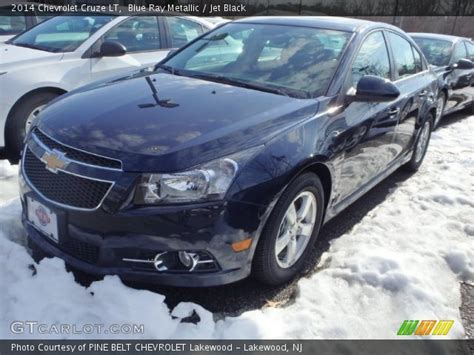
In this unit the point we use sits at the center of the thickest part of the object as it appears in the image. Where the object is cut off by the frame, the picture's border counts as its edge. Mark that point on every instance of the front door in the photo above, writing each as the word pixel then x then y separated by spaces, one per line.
pixel 142 38
pixel 368 126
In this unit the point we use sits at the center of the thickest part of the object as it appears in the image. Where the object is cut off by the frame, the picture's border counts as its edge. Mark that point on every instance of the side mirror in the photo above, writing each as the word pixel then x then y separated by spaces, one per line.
pixel 375 89
pixel 112 49
pixel 464 64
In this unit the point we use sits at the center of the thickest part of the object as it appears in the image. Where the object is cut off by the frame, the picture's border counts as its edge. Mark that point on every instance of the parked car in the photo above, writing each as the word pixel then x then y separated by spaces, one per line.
pixel 452 58
pixel 66 52
pixel 11 25
pixel 216 20
pixel 203 172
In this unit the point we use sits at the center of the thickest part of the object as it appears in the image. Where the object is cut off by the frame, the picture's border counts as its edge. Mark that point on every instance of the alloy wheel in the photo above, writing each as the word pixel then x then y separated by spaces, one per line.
pixel 295 229
pixel 439 110
pixel 423 140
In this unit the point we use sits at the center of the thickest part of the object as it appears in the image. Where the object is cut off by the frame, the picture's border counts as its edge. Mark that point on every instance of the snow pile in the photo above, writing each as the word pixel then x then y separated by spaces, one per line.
pixel 8 181
pixel 403 260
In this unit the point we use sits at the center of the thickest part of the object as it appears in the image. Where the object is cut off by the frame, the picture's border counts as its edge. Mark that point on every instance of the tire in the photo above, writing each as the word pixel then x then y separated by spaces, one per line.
pixel 267 266
pixel 419 150
pixel 15 128
pixel 441 103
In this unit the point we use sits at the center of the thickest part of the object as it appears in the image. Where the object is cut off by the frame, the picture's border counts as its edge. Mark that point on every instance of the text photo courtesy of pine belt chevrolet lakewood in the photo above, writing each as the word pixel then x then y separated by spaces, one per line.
pixel 226 159
pixel 451 58
pixel 66 52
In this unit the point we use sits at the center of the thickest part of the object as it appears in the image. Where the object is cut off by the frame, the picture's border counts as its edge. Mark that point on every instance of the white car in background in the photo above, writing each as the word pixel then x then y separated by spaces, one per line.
pixel 66 52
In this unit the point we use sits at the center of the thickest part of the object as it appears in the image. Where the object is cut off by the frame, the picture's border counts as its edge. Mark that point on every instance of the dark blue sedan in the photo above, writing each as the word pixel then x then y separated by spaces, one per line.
pixel 452 60
pixel 226 159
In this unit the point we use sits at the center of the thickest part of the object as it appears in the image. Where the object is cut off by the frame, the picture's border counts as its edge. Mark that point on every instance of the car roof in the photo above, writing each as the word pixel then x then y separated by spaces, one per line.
pixel 328 22
pixel 438 36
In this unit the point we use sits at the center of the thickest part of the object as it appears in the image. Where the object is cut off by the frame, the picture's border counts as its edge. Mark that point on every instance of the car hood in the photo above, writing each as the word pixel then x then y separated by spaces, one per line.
pixel 188 121
pixel 14 57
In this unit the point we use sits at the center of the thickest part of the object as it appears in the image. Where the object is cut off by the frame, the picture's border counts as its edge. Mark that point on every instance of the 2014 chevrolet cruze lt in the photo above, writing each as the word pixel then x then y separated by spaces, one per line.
pixel 228 157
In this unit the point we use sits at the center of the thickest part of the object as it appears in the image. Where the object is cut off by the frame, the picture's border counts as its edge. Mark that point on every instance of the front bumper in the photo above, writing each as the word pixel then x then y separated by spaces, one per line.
pixel 97 242
pixel 100 232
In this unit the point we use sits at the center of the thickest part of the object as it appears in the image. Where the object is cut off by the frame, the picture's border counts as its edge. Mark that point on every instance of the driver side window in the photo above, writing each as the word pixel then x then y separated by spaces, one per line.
pixel 372 59
pixel 137 34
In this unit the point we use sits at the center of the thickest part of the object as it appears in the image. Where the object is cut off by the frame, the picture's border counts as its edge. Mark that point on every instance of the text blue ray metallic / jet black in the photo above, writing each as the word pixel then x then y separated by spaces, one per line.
pixel 101 158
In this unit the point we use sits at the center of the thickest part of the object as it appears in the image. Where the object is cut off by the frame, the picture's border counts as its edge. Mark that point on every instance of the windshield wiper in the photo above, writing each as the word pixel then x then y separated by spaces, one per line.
pixel 242 83
pixel 167 68
pixel 32 46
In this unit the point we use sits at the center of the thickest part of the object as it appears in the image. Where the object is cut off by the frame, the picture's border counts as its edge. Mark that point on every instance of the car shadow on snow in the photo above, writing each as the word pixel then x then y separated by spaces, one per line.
pixel 249 294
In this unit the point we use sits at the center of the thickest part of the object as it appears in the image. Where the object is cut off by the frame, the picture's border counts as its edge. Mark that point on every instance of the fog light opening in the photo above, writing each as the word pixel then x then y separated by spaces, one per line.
pixel 159 262
pixel 189 260
pixel 176 261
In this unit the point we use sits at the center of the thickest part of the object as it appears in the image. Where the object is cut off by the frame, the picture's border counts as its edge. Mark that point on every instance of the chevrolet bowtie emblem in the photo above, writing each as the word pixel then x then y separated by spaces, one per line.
pixel 54 160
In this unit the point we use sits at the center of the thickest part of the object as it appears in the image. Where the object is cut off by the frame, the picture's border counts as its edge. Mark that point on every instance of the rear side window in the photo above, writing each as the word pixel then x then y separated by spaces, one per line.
pixel 182 31
pixel 372 59
pixel 403 55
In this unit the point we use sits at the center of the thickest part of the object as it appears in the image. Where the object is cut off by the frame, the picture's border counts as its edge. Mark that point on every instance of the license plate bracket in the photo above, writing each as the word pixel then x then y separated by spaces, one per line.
pixel 43 219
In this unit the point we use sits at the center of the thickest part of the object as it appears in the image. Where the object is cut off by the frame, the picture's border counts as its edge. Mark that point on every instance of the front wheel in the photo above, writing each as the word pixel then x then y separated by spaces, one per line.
pixel 20 121
pixel 290 231
pixel 421 145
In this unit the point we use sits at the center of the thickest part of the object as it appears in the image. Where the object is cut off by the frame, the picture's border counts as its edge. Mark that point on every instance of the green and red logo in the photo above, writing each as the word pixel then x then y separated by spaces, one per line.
pixel 425 327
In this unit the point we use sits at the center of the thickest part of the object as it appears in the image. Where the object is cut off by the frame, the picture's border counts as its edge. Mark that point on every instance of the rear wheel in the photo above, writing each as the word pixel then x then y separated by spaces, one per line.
pixel 290 231
pixel 22 116
pixel 421 145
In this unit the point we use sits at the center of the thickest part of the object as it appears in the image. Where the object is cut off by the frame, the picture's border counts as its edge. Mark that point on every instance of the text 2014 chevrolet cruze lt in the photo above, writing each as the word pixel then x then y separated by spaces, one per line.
pixel 227 159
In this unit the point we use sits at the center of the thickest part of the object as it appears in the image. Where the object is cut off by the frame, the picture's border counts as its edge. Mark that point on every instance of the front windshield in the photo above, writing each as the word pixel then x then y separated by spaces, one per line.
pixel 61 33
pixel 294 61
pixel 436 51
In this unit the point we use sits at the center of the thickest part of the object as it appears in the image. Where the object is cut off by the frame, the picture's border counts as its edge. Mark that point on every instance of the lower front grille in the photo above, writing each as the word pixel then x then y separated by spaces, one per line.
pixel 81 250
pixel 63 188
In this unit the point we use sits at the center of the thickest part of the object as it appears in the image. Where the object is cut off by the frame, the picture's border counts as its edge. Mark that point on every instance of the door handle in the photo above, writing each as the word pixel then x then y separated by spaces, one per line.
pixel 423 93
pixel 394 111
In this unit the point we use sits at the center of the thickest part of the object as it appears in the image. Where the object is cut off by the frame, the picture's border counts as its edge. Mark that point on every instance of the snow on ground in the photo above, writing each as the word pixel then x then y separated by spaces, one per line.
pixel 403 260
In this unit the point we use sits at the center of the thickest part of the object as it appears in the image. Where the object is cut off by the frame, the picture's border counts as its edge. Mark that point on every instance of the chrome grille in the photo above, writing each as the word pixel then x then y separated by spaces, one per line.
pixel 75 154
pixel 63 188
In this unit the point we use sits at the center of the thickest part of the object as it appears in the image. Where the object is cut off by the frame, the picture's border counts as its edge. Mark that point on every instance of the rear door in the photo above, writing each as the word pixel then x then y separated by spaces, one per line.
pixel 414 81
pixel 144 39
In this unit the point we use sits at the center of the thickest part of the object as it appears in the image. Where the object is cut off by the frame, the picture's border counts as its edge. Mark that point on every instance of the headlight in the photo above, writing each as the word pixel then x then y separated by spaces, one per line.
pixel 207 182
